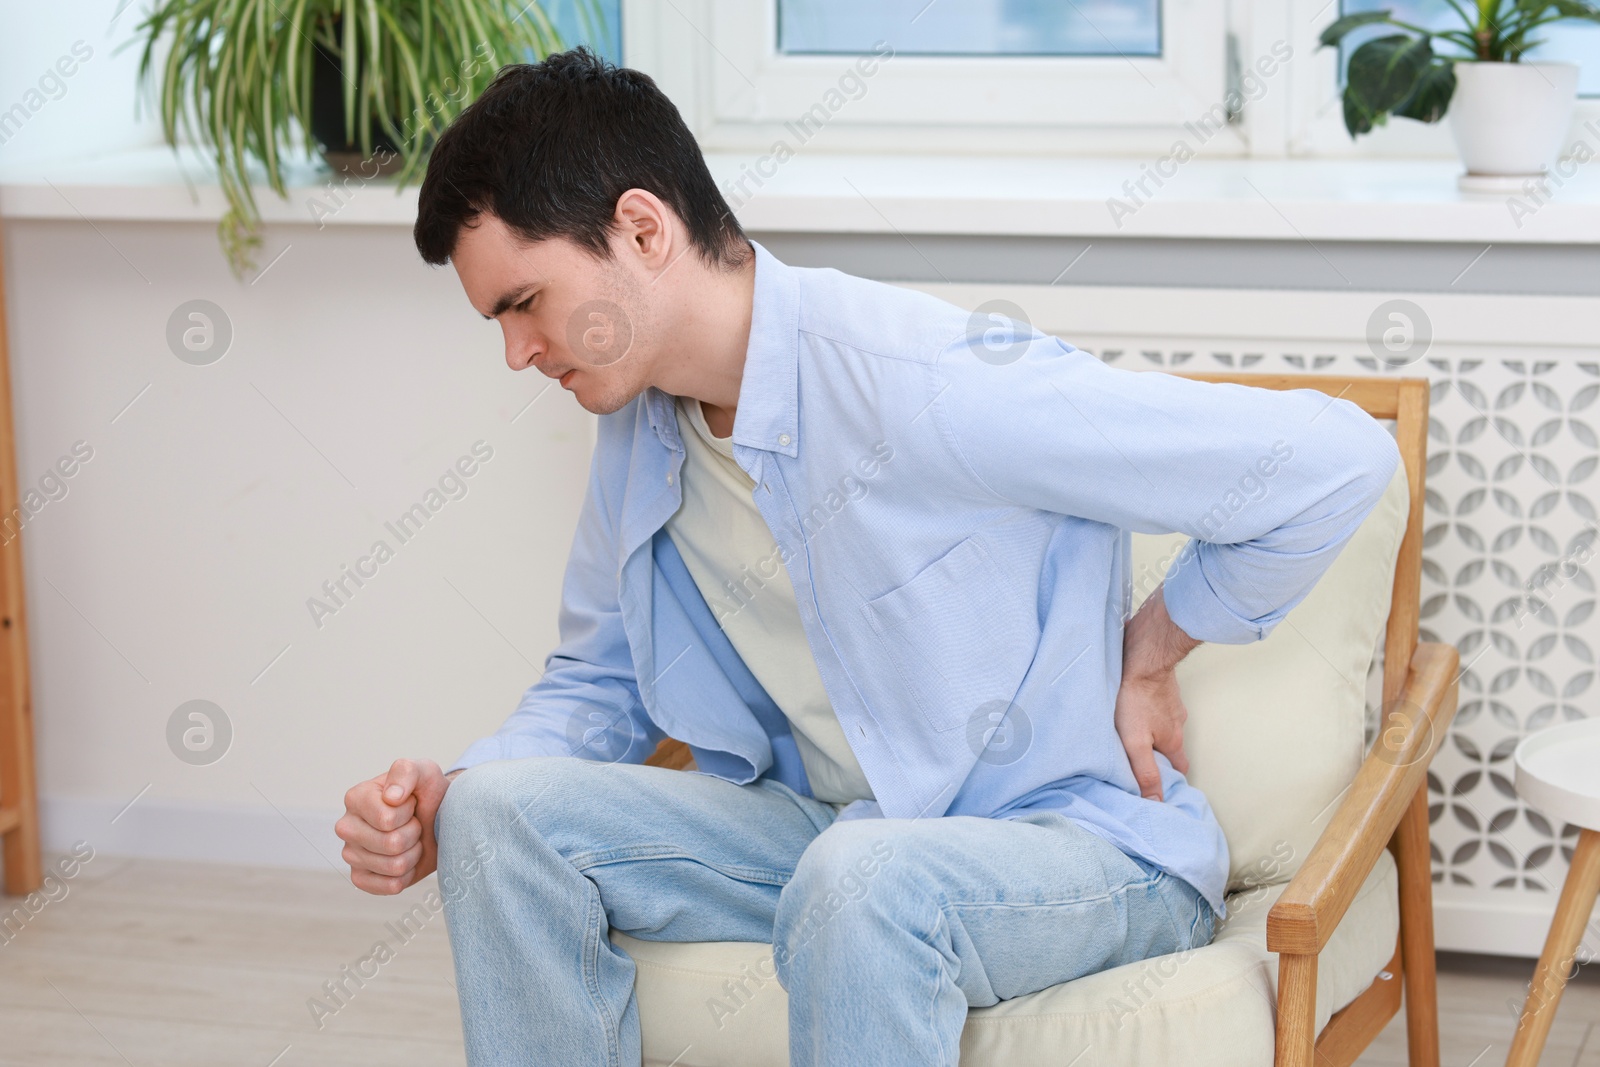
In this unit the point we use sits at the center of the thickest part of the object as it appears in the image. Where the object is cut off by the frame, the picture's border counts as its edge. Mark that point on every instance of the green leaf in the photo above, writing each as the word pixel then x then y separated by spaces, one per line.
pixel 1337 30
pixel 1357 119
pixel 1513 38
pixel 349 64
pixel 1430 97
pixel 1384 71
pixel 1461 39
pixel 1577 9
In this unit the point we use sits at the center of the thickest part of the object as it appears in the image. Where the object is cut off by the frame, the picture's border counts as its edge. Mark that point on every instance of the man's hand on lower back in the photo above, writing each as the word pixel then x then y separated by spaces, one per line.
pixel 387 826
pixel 1150 712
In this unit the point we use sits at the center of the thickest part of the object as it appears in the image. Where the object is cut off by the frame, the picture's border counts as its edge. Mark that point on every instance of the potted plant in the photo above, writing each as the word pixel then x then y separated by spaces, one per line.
pixel 1508 116
pixel 370 82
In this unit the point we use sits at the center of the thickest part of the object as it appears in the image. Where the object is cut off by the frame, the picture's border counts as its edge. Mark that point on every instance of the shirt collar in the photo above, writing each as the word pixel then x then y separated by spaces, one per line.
pixel 768 415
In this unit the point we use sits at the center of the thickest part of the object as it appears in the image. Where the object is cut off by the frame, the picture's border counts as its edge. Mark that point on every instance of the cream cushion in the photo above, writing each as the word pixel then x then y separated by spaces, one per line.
pixel 1213 1008
pixel 1275 735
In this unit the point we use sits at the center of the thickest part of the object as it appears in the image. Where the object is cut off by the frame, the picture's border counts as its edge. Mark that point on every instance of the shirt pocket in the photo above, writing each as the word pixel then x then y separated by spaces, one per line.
pixel 959 635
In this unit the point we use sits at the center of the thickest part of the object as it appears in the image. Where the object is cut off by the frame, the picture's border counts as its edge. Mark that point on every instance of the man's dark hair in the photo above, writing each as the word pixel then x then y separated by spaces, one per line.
pixel 550 147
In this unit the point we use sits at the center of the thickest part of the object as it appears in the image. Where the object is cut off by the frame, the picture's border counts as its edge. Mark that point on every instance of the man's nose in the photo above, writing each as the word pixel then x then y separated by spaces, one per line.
pixel 521 349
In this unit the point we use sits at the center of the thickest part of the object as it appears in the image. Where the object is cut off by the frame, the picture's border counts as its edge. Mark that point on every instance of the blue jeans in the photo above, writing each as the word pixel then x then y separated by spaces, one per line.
pixel 884 931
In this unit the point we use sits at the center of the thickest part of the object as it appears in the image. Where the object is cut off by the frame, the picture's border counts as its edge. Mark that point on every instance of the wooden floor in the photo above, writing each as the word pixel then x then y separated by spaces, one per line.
pixel 144 962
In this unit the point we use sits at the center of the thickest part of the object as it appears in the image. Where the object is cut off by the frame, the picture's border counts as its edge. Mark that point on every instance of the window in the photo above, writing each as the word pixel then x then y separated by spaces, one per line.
pixel 596 23
pixel 1006 77
pixel 1013 78
pixel 972 27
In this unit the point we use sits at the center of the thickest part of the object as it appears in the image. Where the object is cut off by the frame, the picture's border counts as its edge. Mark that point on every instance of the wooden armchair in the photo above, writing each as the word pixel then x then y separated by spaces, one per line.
pixel 1387 802
pixel 1375 802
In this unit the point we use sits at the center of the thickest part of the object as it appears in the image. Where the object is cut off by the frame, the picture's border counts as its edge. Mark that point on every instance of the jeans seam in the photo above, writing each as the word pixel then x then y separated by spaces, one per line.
pixel 585 861
pixel 1122 890
pixel 944 973
pixel 1210 918
pixel 1191 939
pixel 591 978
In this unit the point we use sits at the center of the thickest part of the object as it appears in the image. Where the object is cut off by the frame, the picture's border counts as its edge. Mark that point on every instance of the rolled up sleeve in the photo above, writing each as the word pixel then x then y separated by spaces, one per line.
pixel 1270 484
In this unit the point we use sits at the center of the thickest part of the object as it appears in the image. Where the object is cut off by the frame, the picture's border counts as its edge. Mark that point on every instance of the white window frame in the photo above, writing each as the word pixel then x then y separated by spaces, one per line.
pixel 718 61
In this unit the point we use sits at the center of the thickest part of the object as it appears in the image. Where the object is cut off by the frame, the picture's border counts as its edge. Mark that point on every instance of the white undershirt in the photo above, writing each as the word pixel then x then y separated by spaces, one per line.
pixel 734 561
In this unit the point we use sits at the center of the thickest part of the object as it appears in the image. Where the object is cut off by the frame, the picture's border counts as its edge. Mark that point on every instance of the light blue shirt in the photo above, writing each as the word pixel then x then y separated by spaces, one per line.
pixel 954 507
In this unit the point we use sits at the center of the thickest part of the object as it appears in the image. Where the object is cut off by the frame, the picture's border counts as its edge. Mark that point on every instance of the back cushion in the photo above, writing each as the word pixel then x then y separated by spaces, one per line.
pixel 1276 727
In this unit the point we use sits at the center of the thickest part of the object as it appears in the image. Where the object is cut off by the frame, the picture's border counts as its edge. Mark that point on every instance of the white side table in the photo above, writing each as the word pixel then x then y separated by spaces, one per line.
pixel 1558 772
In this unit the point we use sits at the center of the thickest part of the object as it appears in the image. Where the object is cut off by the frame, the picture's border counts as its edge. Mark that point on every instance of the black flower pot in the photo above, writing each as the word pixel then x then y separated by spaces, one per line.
pixel 340 148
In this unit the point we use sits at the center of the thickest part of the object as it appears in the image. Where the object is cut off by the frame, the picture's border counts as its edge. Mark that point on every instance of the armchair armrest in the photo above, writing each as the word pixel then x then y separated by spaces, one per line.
pixel 1305 916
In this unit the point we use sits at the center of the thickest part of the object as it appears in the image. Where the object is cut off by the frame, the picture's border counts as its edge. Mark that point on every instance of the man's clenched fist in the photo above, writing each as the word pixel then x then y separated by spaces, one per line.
pixel 387 827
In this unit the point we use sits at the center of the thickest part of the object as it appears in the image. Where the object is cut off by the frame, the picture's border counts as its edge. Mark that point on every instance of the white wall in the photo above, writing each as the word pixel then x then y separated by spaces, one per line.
pixel 179 562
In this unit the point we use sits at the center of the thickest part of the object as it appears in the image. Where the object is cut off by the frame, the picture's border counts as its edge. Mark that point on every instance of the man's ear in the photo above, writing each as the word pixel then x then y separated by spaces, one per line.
pixel 650 228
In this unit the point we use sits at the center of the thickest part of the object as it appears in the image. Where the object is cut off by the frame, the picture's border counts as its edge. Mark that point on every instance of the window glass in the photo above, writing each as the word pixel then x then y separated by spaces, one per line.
pixel 596 23
pixel 972 27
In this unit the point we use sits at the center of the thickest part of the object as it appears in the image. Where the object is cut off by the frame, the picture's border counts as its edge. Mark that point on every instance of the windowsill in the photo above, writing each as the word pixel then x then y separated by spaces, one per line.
pixel 1328 200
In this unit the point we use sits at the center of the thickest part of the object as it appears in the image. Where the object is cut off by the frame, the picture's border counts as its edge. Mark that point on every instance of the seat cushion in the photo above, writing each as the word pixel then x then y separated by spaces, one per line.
pixel 1211 1006
pixel 1277 727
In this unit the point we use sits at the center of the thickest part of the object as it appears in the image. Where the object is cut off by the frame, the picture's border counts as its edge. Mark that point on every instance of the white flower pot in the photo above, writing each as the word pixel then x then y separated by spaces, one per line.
pixel 1510 119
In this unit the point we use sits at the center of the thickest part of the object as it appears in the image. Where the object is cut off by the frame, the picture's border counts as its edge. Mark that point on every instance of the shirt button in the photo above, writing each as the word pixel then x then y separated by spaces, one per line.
pixel 669 478
pixel 783 439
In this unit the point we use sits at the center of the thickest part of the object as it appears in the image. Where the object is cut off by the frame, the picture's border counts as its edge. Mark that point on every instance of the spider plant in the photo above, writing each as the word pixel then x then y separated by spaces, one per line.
pixel 239 80
pixel 1401 74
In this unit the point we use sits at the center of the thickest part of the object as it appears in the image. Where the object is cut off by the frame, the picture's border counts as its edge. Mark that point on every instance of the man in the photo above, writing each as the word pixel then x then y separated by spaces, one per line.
pixel 868 558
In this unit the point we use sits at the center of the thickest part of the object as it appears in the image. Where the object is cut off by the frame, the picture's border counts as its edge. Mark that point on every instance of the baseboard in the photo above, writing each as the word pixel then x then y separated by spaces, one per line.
pixel 1503 929
pixel 260 835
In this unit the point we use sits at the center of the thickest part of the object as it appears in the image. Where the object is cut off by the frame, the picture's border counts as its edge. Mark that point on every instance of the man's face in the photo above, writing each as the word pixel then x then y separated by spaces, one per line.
pixel 575 318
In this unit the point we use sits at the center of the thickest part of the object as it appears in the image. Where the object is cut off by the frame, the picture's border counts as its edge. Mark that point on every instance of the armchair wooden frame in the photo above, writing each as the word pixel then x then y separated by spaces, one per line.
pixel 1386 804
pixel 1388 800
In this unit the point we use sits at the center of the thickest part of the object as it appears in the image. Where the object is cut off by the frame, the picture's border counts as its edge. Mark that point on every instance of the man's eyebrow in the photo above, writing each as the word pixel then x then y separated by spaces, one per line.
pixel 513 297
